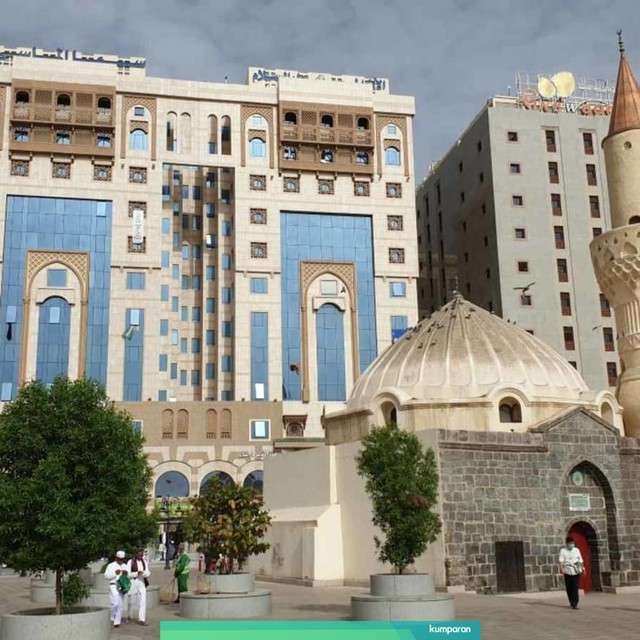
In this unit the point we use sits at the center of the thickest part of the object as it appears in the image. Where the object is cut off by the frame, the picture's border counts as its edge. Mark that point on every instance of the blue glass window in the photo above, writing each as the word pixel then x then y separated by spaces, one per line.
pixel 172 484
pixel 211 272
pixel 195 345
pixel 173 374
pixel 227 364
pixel 196 251
pixel 210 337
pixel 175 338
pixel 259 355
pixel 176 241
pixel 166 191
pixel 186 282
pixel 185 222
pixel 53 339
pixel 175 304
pixel 138 112
pixel 226 261
pixel 184 345
pixel 392 156
pixel 399 326
pixel 210 209
pixel 196 192
pixel 163 362
pixel 260 429
pixel 138 140
pixel 195 377
pixel 330 353
pixel 259 285
pixel 162 395
pixel 398 289
pixel 133 355
pixel 176 208
pixel 186 254
pixel 183 377
pixel 164 293
pixel 166 226
pixel 258 148
pixel 184 313
pixel 196 282
pixel 56 277
pixel 5 391
pixel 226 395
pixel 164 259
pixel 226 228
pixel 135 280
pixel 164 327
pixel 185 191
pixel 195 314
pixel 211 305
pixel 227 295
pixel 175 271
pixel 227 329
pixel 210 371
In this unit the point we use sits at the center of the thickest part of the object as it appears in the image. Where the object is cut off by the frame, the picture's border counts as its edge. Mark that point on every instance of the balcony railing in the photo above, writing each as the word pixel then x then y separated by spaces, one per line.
pixel 48 113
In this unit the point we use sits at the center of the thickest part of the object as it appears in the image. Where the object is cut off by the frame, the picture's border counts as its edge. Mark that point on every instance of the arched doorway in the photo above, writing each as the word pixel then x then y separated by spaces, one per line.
pixel 222 476
pixel 586 540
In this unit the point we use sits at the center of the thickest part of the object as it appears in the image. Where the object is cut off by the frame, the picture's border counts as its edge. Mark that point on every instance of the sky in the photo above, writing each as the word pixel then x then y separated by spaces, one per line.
pixel 452 55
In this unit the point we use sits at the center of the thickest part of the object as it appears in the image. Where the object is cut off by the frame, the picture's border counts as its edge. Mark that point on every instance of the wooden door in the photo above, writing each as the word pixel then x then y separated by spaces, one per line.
pixel 510 566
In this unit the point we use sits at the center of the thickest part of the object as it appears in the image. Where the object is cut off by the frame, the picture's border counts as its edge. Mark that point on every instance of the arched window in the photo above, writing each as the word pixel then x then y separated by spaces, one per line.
pixel 392 130
pixel 392 156
pixel 510 410
pixel 295 430
pixel 634 220
pixel 330 353
pixel 22 97
pixel 326 120
pixel 225 424
pixel 254 480
pixel 213 134
pixel 104 103
pixel 389 413
pixel 606 412
pixel 172 128
pixel 225 136
pixel 185 132
pixel 363 123
pixel 258 122
pixel 172 484
pixel 167 423
pixel 183 424
pixel 53 339
pixel 290 118
pixel 138 140
pixel 223 477
pixel 63 100
pixel 362 157
pixel 212 424
pixel 257 147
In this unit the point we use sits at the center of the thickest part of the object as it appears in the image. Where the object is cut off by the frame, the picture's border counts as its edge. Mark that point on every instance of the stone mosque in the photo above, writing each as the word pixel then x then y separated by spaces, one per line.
pixel 527 453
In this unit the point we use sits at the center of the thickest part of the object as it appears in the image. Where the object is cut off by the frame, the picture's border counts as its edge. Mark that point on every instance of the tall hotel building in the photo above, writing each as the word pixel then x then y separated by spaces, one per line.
pixel 507 216
pixel 225 258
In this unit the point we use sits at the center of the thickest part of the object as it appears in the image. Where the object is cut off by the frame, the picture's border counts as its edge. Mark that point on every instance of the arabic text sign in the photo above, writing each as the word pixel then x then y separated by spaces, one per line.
pixel 321 630
pixel 273 76
pixel 8 53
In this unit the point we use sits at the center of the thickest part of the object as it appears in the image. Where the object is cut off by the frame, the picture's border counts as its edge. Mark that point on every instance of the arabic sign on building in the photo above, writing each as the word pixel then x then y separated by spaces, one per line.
pixel 137 226
pixel 579 502
pixel 588 97
pixel 7 54
pixel 272 76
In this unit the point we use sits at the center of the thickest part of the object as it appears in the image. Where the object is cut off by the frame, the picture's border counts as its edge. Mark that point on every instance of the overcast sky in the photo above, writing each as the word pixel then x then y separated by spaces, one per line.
pixel 451 55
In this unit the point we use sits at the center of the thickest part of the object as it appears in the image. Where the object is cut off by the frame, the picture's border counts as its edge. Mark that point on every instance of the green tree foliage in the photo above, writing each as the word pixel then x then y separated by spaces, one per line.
pixel 73 479
pixel 401 479
pixel 228 521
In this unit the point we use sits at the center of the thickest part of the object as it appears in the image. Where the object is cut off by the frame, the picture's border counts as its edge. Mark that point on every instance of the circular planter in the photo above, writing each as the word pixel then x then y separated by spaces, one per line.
pixel 231 582
pixel 223 606
pixel 43 624
pixel 402 597
pixel 410 584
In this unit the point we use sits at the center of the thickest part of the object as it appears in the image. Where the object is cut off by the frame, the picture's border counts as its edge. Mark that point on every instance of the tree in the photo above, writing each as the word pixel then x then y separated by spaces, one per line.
pixel 402 481
pixel 74 480
pixel 228 521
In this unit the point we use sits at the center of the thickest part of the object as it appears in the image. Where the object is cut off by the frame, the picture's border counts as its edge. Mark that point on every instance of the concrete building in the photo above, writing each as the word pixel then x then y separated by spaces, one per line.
pixel 507 215
pixel 225 258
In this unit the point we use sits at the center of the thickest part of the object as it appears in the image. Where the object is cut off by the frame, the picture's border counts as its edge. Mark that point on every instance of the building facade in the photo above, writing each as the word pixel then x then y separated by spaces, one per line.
pixel 507 215
pixel 196 246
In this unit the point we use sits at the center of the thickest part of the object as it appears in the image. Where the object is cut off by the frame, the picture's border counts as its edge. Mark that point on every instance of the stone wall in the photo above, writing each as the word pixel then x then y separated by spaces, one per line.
pixel 515 486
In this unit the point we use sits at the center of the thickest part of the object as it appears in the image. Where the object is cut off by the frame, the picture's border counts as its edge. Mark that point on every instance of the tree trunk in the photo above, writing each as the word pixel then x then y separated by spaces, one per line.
pixel 59 576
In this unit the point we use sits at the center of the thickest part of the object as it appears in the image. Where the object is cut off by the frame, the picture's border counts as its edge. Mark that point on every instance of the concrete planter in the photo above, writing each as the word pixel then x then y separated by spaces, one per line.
pixel 41 624
pixel 232 596
pixel 231 583
pixel 402 597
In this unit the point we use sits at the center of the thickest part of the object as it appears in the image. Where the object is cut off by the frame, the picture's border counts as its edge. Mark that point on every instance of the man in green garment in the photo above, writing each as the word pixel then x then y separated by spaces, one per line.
pixel 181 571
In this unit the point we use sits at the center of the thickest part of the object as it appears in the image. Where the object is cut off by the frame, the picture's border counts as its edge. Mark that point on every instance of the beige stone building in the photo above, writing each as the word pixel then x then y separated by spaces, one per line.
pixel 225 258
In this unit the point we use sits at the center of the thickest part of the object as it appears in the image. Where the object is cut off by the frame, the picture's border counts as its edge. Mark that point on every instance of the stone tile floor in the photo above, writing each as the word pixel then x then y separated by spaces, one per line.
pixel 534 616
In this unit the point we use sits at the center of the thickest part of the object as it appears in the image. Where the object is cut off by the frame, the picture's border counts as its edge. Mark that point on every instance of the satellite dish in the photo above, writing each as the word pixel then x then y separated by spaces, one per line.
pixel 565 83
pixel 546 88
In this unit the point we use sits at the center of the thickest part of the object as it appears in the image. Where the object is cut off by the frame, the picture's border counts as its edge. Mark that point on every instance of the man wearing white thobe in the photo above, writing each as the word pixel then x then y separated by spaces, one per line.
pixel 139 573
pixel 111 574
pixel 572 567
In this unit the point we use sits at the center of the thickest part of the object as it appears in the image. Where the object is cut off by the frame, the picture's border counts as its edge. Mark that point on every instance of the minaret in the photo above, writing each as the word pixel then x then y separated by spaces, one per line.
pixel 616 254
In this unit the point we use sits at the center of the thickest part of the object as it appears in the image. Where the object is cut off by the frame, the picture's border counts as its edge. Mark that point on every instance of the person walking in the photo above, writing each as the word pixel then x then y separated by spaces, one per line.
pixel 181 571
pixel 572 567
pixel 139 572
pixel 112 574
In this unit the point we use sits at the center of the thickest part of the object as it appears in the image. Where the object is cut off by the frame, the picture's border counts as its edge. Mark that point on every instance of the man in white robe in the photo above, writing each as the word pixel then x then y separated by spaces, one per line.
pixel 111 574
pixel 139 573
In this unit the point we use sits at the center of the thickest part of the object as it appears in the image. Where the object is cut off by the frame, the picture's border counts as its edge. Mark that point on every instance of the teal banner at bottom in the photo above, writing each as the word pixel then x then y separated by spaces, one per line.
pixel 321 630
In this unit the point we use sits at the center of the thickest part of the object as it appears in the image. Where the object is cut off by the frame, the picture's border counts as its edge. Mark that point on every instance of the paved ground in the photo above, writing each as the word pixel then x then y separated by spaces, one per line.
pixel 519 617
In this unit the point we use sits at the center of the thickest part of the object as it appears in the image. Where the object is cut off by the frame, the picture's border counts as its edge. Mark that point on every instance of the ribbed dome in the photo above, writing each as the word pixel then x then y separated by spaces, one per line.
pixel 464 352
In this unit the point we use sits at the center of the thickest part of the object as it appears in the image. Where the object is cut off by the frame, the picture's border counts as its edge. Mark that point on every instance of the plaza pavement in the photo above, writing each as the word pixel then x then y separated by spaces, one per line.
pixel 543 616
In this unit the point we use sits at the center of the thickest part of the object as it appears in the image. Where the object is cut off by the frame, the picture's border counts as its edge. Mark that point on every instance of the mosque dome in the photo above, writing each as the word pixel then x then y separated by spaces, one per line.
pixel 463 353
